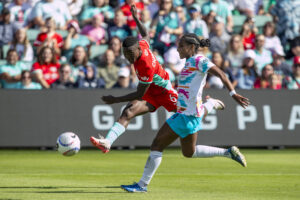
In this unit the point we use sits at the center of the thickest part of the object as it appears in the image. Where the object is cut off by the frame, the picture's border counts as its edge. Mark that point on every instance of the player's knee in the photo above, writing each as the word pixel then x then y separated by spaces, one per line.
pixel 188 154
pixel 127 114
pixel 156 145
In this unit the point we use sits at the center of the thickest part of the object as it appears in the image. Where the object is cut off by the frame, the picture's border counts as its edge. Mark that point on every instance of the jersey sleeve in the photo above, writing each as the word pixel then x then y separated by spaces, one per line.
pixel 146 73
pixel 203 64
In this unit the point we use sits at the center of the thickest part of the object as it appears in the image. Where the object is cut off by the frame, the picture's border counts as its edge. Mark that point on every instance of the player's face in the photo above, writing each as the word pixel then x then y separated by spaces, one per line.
pixel 182 49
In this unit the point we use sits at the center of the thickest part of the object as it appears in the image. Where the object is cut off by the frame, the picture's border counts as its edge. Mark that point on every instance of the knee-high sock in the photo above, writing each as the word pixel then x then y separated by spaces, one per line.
pixel 208 151
pixel 115 131
pixel 151 166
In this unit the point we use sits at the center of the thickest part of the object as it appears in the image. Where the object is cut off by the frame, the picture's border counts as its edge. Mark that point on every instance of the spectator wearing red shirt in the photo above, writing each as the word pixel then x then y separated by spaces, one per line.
pixel 263 80
pixel 49 38
pixel 126 11
pixel 45 70
pixel 248 34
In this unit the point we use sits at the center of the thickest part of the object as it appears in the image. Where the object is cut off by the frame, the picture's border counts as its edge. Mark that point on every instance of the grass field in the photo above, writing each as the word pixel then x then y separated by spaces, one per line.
pixel 46 175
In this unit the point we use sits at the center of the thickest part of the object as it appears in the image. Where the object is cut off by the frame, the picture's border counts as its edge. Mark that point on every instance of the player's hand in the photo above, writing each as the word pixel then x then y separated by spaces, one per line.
pixel 110 99
pixel 243 101
pixel 133 10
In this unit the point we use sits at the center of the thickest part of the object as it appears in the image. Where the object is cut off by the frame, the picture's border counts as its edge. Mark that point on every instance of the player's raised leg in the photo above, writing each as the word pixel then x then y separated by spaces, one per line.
pixel 133 109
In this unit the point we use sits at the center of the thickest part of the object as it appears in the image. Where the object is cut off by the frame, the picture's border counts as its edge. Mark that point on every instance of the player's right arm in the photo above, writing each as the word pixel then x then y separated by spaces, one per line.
pixel 138 94
pixel 139 24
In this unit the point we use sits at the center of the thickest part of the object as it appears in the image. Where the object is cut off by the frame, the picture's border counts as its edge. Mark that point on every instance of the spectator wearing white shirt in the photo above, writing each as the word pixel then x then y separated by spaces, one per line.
pixel 272 41
pixel 19 10
pixel 173 61
pixel 22 45
pixel 75 7
pixel 250 7
pixel 51 8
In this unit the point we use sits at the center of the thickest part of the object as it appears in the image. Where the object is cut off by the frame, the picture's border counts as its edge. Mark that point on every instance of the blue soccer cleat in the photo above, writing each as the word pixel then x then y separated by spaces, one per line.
pixel 237 156
pixel 134 188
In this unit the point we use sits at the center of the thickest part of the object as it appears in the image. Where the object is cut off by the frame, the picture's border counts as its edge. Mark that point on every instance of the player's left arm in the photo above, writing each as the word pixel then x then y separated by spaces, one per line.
pixel 139 24
pixel 243 101
pixel 138 94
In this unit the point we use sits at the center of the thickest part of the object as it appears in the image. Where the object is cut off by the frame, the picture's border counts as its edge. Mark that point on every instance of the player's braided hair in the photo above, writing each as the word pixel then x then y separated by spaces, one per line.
pixel 192 38
pixel 130 41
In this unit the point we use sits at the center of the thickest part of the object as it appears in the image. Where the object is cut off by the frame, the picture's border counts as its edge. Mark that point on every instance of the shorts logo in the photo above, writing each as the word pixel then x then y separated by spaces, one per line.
pixel 145 78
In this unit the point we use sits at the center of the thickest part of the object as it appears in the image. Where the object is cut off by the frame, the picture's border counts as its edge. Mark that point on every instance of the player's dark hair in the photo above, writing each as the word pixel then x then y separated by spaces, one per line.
pixel 192 38
pixel 130 41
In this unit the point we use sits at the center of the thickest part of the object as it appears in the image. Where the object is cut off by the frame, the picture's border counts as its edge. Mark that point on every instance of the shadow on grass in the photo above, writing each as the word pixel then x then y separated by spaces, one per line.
pixel 62 187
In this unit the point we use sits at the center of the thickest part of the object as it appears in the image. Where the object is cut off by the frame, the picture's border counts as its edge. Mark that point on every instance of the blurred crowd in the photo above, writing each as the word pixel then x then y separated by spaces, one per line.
pixel 266 56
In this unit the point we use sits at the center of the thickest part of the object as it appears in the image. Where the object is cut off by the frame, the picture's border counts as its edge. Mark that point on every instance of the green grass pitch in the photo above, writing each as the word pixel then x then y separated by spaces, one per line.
pixel 47 175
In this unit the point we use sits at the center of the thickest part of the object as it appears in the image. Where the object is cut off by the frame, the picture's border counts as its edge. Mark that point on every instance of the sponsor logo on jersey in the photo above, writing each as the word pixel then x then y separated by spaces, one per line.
pixel 145 78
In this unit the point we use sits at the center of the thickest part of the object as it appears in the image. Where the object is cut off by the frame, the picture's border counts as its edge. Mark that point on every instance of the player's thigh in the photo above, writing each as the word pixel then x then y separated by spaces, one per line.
pixel 164 138
pixel 137 107
pixel 188 144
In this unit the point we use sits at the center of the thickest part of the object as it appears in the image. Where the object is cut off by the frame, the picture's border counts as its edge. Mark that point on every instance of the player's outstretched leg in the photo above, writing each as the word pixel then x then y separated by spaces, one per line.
pixel 134 108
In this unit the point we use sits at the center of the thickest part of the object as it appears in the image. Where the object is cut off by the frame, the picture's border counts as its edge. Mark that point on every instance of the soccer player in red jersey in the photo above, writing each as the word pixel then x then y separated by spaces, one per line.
pixel 154 89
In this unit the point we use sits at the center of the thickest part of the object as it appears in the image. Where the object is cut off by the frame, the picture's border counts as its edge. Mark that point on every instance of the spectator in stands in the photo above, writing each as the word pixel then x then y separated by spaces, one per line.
pixel 195 24
pixel 124 80
pixel 293 82
pixel 22 45
pixel 250 8
pixel 181 15
pixel 79 62
pixel 89 80
pixel 222 10
pixel 214 81
pixel 286 14
pixel 75 7
pixel 45 70
pixel 56 9
pixel 19 10
pixel 272 41
pixel 126 11
pixel 235 53
pixel 173 61
pixel 219 39
pixel 65 80
pixel 281 67
pixel 153 7
pixel 166 26
pixel 74 39
pixel 119 28
pixel 10 73
pixel 263 56
pixel 146 18
pixel 263 81
pixel 246 76
pixel 27 83
pixel 248 35
pixel 210 20
pixel 109 71
pixel 295 48
pixel 49 38
pixel 97 7
pixel 95 32
pixel 115 45
pixel 7 29
pixel 275 82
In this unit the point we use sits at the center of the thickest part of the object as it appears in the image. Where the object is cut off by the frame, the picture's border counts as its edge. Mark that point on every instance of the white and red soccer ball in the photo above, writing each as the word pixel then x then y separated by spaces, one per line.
pixel 68 144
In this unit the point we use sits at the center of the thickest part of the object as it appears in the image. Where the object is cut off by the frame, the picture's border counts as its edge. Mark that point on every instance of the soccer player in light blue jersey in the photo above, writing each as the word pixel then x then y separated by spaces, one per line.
pixel 186 122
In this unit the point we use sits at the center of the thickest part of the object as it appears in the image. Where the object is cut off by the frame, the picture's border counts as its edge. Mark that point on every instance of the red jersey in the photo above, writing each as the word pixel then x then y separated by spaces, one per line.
pixel 149 71
pixel 42 37
pixel 249 42
pixel 126 11
pixel 49 71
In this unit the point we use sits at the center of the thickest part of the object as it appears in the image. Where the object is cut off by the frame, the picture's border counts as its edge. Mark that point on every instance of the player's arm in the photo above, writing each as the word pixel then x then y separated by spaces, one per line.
pixel 243 101
pixel 139 24
pixel 138 94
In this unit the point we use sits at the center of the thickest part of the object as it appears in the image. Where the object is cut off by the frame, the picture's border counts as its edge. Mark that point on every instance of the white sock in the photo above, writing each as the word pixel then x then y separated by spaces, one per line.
pixel 208 151
pixel 151 166
pixel 115 131
pixel 209 105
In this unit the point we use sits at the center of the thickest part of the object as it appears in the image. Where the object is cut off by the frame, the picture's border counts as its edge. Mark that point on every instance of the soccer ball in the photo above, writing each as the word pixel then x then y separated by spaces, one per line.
pixel 68 144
